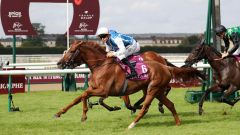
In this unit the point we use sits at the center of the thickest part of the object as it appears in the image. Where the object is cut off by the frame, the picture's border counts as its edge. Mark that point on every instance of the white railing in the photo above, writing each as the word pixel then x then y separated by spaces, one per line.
pixel 43 72
pixel 53 65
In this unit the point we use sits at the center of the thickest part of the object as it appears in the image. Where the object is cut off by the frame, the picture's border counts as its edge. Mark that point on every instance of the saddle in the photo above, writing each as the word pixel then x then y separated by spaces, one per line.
pixel 139 65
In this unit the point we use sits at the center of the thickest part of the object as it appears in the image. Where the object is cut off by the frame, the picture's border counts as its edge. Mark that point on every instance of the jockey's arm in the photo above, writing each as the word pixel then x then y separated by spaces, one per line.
pixel 107 48
pixel 226 42
pixel 121 47
pixel 236 41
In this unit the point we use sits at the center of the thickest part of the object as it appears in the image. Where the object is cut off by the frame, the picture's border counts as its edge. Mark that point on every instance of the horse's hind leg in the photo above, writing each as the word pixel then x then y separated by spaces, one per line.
pixel 143 111
pixel 170 107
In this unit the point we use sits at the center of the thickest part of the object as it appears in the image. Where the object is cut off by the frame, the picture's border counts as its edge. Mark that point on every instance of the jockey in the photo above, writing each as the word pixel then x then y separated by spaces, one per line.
pixel 230 34
pixel 120 46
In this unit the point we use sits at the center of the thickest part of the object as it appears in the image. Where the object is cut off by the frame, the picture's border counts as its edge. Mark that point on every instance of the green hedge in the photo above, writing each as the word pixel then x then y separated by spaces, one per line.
pixel 165 49
pixel 35 50
pixel 59 50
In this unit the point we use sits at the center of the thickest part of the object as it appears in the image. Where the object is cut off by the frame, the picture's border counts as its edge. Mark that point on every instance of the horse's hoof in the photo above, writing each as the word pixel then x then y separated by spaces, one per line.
pixel 133 111
pixel 83 119
pixel 200 111
pixel 161 110
pixel 132 125
pixel 56 116
pixel 115 108
pixel 178 123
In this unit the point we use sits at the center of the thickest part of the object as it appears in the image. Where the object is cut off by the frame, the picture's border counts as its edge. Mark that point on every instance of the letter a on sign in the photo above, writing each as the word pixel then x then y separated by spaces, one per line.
pixel 15 16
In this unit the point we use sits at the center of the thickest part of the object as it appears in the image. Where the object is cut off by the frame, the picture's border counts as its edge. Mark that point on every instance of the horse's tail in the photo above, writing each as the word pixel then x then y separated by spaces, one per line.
pixel 185 73
pixel 169 63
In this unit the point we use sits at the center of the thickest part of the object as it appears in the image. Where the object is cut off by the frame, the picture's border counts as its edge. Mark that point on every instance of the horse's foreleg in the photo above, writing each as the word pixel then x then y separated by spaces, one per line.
pixel 74 102
pixel 128 104
pixel 236 100
pixel 109 108
pixel 227 93
pixel 85 109
pixel 214 88
pixel 137 105
pixel 160 104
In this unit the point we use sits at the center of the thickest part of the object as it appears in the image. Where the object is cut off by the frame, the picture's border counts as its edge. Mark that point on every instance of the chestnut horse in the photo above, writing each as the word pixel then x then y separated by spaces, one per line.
pixel 108 78
pixel 226 70
pixel 149 55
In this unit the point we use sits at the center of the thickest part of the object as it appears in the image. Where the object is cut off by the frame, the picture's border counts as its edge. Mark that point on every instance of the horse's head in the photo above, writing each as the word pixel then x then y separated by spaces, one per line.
pixel 202 51
pixel 70 57
pixel 197 54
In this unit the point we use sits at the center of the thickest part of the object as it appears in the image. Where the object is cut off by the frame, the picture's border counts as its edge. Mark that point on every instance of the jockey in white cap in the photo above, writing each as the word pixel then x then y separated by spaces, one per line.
pixel 120 46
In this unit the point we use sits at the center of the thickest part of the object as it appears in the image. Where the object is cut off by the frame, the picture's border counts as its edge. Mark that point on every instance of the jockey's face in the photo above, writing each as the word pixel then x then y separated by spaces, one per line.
pixel 104 38
pixel 221 35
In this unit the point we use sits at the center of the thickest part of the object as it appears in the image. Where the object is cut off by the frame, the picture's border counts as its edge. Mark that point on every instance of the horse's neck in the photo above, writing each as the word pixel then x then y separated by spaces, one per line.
pixel 213 59
pixel 92 57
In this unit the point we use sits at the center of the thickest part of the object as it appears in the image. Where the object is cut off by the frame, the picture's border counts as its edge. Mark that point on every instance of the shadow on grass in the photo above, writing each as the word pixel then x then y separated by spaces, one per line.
pixel 169 123
pixel 195 119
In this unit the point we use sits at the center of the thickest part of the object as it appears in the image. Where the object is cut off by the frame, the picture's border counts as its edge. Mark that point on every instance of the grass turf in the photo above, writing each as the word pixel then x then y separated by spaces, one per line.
pixel 38 109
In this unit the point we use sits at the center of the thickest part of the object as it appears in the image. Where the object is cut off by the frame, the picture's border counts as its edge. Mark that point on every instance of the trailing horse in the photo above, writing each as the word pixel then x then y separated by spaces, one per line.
pixel 108 78
pixel 226 70
pixel 147 56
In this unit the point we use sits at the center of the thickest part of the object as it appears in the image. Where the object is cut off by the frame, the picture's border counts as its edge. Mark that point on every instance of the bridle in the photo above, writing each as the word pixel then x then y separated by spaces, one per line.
pixel 72 57
pixel 197 57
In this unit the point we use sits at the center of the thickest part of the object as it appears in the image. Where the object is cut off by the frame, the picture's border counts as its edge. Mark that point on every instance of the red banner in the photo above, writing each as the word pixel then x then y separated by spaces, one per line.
pixel 18 83
pixel 52 79
pixel 15 16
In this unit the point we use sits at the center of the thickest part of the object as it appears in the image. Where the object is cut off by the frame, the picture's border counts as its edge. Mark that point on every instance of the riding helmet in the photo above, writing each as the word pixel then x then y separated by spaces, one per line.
pixel 220 29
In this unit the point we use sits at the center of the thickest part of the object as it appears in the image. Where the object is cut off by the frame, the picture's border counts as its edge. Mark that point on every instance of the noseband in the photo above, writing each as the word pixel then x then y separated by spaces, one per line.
pixel 73 56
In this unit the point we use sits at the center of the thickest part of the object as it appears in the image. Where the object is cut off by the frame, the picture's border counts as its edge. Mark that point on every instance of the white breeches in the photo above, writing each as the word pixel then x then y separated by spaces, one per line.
pixel 131 49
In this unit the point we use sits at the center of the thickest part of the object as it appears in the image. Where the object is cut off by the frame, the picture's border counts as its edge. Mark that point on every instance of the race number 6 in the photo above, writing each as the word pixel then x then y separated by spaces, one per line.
pixel 144 69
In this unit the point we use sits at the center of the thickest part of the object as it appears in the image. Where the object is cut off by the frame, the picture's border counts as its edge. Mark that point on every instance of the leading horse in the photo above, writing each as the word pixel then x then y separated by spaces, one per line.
pixel 108 78
pixel 226 70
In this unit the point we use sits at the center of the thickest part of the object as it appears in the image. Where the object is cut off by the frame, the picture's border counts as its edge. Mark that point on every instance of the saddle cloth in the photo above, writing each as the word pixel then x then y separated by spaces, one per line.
pixel 237 57
pixel 138 64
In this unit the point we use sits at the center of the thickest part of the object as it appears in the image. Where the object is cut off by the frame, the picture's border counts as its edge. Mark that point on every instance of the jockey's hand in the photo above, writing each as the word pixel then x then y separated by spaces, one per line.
pixel 225 54
pixel 110 54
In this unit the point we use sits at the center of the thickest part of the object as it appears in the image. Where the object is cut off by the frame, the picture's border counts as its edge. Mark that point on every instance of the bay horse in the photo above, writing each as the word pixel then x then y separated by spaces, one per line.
pixel 108 78
pixel 227 71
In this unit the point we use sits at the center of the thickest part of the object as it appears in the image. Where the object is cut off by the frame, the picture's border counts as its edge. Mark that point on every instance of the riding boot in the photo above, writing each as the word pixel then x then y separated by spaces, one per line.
pixel 133 72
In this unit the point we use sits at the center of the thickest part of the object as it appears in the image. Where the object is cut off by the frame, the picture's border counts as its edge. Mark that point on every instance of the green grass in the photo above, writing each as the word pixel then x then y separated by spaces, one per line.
pixel 38 108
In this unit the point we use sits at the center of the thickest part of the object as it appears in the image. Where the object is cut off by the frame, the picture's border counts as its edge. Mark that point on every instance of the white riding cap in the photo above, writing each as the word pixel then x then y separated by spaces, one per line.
pixel 102 30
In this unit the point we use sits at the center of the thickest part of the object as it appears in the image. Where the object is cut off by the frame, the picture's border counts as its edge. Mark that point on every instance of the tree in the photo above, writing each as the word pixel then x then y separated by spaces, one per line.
pixel 191 40
pixel 35 40
pixel 1 46
pixel 61 40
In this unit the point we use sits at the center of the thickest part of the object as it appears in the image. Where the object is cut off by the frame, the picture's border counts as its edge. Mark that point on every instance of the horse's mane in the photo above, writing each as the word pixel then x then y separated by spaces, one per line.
pixel 93 44
pixel 230 59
